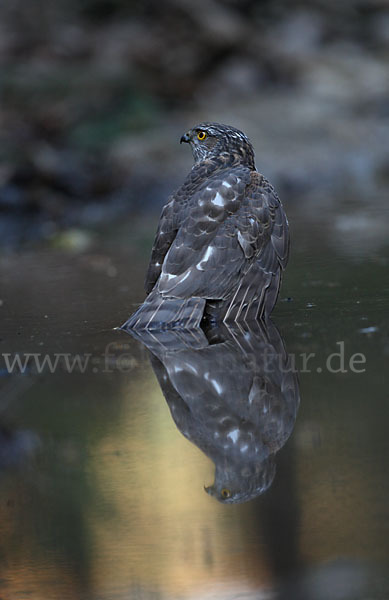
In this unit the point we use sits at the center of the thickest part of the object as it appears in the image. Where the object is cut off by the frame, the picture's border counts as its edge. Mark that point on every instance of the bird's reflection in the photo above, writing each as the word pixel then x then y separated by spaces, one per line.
pixel 233 393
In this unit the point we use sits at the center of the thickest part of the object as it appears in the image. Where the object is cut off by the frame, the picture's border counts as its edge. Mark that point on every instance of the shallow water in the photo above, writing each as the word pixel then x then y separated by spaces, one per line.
pixel 101 495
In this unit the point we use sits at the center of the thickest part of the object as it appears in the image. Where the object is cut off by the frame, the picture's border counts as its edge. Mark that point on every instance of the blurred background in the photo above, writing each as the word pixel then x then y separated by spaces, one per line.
pixel 95 95
pixel 101 497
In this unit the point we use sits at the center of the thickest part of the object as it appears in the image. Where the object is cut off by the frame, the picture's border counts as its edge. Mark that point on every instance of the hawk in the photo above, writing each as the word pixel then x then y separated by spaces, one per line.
pixel 222 240
pixel 233 392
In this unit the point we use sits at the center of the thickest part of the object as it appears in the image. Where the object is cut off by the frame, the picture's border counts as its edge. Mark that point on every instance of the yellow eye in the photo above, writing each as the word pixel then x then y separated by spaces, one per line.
pixel 225 493
pixel 201 135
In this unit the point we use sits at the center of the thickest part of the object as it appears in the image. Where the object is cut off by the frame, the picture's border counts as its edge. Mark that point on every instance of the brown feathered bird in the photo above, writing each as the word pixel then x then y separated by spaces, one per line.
pixel 222 240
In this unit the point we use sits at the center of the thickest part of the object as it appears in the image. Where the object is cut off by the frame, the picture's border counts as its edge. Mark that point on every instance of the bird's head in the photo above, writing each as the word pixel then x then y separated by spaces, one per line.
pixel 237 482
pixel 209 140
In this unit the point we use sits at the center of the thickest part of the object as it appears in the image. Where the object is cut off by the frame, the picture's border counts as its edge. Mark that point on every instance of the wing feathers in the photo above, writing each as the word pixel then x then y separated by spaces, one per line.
pixel 211 233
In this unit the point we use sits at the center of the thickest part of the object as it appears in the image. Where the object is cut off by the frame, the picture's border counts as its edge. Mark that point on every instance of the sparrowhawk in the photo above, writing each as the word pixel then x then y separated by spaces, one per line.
pixel 222 240
pixel 233 392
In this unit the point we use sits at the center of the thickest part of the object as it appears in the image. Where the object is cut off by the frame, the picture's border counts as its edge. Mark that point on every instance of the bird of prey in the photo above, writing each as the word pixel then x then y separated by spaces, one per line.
pixel 233 392
pixel 222 240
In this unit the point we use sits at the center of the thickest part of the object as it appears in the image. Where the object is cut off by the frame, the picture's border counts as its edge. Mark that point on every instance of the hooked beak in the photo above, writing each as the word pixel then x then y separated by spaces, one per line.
pixel 185 138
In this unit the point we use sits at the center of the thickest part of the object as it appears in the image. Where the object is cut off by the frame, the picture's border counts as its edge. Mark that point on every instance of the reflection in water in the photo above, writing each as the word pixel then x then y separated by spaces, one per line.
pixel 233 393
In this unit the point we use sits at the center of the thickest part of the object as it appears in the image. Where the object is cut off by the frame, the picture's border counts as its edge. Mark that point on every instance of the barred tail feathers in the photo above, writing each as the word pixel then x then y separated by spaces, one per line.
pixel 159 312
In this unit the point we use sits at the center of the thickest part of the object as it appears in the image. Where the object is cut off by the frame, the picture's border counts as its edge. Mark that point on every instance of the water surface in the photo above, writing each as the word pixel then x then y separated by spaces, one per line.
pixel 101 495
